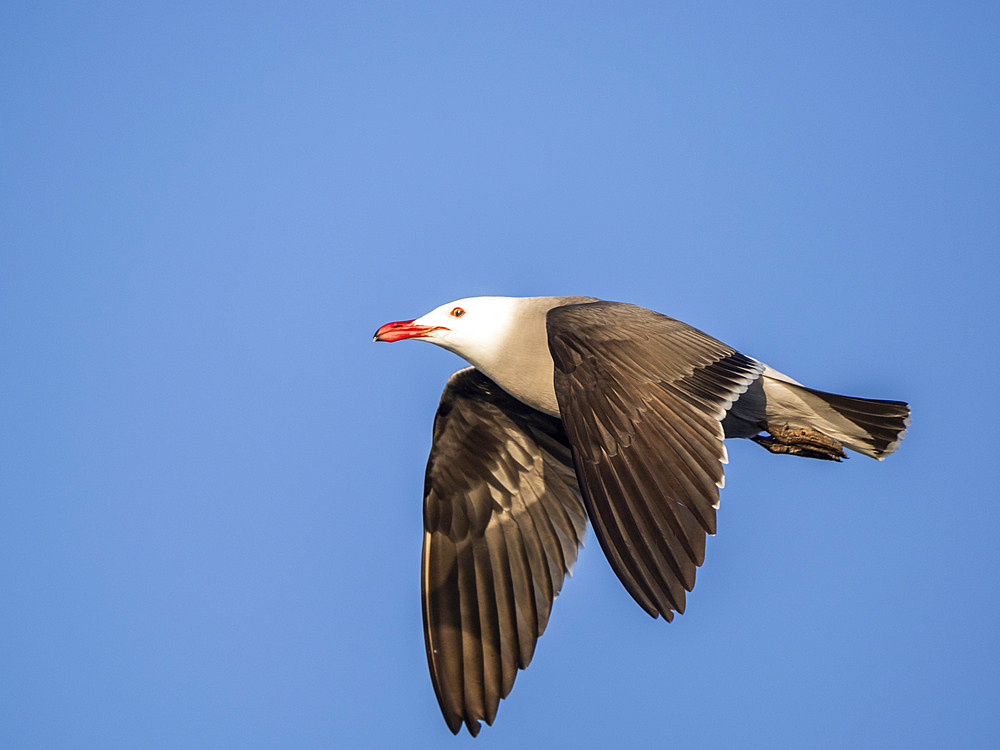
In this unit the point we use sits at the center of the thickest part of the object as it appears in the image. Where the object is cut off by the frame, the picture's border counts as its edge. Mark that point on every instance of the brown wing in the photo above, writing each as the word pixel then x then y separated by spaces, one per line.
pixel 642 397
pixel 503 520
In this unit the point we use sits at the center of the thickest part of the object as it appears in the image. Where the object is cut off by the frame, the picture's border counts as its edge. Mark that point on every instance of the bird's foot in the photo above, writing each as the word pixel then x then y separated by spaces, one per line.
pixel 796 441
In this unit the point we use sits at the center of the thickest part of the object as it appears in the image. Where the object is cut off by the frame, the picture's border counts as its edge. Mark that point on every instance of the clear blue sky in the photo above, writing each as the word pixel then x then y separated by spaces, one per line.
pixel 210 478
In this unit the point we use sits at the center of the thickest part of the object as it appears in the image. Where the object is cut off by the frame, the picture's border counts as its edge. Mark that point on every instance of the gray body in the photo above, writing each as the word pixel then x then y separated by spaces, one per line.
pixel 526 371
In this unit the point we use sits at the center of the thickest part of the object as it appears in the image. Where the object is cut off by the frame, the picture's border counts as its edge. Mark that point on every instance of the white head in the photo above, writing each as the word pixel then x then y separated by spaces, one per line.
pixel 504 337
pixel 474 328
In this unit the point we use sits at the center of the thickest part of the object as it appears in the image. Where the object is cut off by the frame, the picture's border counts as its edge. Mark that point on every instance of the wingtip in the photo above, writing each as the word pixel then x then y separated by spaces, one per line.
pixel 454 723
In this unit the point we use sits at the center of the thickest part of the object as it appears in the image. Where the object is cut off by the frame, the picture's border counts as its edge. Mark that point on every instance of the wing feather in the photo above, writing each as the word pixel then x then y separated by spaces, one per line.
pixel 503 522
pixel 643 397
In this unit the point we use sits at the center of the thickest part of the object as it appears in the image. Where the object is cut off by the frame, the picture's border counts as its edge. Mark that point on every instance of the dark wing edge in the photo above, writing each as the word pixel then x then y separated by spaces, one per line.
pixel 642 397
pixel 503 522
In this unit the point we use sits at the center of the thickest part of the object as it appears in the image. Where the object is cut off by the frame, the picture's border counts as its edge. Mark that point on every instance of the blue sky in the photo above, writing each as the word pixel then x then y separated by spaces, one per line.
pixel 210 477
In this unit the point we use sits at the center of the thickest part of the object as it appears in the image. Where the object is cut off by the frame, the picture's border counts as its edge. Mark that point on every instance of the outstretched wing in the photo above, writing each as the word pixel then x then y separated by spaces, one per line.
pixel 642 397
pixel 503 520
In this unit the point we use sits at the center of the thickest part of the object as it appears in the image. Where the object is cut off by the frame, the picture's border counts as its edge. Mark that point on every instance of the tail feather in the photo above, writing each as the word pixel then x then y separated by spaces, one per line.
pixel 883 423
pixel 869 426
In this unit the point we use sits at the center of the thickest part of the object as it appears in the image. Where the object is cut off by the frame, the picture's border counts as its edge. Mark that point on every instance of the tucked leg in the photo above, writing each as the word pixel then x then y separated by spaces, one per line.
pixel 796 441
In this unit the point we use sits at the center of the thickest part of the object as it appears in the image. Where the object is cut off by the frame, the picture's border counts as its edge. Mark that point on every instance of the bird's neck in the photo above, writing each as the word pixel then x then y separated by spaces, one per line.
pixel 518 359
pixel 525 372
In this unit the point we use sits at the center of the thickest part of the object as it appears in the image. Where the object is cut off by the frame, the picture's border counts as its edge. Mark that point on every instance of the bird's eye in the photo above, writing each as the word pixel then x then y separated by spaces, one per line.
pixel 458 312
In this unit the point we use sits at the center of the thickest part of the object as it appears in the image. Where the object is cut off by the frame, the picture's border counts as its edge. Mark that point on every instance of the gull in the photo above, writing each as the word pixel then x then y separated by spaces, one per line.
pixel 577 409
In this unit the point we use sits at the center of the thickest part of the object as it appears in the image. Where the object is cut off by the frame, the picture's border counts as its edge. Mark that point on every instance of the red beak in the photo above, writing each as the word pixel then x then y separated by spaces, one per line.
pixel 402 329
